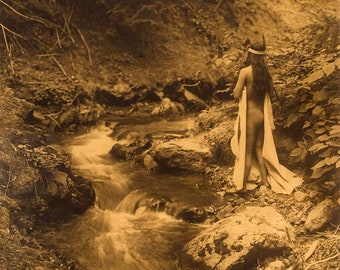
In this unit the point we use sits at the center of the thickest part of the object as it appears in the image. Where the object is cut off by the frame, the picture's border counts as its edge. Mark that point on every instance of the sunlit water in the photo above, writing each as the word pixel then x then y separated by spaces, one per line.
pixel 115 234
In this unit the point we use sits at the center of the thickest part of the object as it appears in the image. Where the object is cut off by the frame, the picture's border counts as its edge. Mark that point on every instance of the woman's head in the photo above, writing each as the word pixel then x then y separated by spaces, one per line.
pixel 258 46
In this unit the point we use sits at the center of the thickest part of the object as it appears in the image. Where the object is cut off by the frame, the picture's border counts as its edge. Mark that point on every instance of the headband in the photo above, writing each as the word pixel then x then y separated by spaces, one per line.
pixel 256 52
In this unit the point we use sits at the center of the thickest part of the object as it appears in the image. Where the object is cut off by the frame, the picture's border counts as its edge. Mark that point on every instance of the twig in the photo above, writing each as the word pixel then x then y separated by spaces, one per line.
pixel 14 148
pixel 11 31
pixel 23 15
pixel 54 120
pixel 218 5
pixel 41 43
pixel 40 83
pixel 58 39
pixel 53 114
pixel 86 45
pixel 58 64
pixel 75 97
pixel 8 181
pixel 311 250
pixel 48 54
pixel 321 261
pixel 67 20
pixel 8 49
pixel 306 256
pixel 191 85
pixel 5 38
pixel 72 61
pixel 16 42
pixel 14 10
pixel 11 169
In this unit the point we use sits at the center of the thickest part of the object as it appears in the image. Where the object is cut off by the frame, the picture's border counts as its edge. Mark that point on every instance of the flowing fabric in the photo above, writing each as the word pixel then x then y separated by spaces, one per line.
pixel 279 177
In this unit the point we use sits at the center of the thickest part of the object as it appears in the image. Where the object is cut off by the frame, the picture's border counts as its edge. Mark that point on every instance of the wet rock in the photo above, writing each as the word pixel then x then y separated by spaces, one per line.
pixel 154 203
pixel 150 163
pixel 192 214
pixel 237 241
pixel 119 151
pixel 65 193
pixel 131 146
pixel 80 197
pixel 55 183
pixel 186 154
pixel 320 215
pixel 68 118
pixel 168 107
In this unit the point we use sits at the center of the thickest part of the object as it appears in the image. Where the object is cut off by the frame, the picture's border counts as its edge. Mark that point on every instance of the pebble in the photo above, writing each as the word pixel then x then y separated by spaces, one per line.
pixel 276 265
pixel 300 196
pixel 313 194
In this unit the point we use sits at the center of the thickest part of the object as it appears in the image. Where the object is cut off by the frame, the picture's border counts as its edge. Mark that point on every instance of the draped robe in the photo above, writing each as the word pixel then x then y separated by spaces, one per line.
pixel 279 177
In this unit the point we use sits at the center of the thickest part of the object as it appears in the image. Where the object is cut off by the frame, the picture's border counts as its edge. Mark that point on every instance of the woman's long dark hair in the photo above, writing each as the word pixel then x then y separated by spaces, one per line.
pixel 262 79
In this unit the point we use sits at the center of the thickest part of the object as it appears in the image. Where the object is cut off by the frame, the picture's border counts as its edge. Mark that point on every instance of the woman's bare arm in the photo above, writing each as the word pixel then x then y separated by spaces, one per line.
pixel 241 82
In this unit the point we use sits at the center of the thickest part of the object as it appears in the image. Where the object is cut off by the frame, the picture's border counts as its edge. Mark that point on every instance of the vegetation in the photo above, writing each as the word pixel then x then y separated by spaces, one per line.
pixel 318 116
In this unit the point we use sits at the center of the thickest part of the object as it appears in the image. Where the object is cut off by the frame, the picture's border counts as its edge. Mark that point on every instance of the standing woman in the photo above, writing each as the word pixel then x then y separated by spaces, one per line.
pixel 253 144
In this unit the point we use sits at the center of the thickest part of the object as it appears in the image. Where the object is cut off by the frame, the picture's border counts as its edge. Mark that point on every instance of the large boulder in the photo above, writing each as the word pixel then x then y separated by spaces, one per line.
pixel 236 242
pixel 187 154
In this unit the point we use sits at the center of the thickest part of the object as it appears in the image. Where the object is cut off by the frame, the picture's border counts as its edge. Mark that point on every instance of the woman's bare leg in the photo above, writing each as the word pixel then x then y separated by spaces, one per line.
pixel 259 154
pixel 250 142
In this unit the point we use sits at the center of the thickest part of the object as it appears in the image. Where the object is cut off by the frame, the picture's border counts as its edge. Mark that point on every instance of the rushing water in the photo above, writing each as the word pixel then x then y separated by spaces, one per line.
pixel 115 234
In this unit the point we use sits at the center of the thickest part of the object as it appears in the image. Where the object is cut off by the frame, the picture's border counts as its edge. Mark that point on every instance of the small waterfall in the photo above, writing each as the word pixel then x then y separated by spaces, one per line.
pixel 130 202
pixel 128 229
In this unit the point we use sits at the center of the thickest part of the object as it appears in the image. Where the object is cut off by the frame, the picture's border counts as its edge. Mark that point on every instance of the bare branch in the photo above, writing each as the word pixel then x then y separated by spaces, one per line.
pixel 86 45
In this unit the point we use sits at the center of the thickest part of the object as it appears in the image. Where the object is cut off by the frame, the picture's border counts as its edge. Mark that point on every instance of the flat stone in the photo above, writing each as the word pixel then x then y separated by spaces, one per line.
pixel 320 215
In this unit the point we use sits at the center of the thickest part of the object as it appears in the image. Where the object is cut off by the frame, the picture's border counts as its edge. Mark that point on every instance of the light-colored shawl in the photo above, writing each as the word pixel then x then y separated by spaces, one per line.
pixel 279 177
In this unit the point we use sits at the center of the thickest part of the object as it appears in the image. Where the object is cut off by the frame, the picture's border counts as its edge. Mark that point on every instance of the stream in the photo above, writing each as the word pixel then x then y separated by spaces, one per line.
pixel 117 234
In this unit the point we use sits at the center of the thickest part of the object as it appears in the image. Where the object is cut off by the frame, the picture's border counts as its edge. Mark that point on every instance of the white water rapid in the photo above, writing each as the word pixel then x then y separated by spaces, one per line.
pixel 116 234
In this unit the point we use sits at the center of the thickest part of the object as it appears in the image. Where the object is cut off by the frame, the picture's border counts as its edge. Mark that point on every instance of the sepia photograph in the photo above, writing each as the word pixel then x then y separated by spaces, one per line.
pixel 169 134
